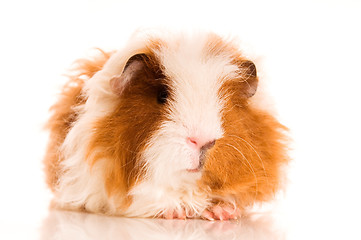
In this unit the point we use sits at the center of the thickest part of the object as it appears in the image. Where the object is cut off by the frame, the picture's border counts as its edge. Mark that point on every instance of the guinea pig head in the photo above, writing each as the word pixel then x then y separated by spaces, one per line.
pixel 200 78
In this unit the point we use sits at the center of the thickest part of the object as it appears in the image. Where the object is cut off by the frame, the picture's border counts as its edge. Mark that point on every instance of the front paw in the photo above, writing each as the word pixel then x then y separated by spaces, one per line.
pixel 221 212
pixel 178 213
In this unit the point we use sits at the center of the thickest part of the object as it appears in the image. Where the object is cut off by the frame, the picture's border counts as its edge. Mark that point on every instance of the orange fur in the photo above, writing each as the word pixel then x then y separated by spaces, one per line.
pixel 244 165
pixel 246 162
pixel 64 114
pixel 121 136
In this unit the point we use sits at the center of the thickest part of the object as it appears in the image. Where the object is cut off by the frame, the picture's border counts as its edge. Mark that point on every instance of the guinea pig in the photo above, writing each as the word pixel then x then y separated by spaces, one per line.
pixel 164 127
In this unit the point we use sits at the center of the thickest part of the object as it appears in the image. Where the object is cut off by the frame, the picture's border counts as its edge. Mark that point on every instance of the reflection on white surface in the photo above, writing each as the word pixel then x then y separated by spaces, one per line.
pixel 81 226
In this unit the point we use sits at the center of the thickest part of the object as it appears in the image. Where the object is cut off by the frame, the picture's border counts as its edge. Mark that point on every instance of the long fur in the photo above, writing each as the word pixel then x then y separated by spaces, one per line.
pixel 124 153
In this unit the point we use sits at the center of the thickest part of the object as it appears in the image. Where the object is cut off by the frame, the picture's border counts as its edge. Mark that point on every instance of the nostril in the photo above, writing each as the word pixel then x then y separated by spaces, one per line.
pixel 192 141
pixel 201 145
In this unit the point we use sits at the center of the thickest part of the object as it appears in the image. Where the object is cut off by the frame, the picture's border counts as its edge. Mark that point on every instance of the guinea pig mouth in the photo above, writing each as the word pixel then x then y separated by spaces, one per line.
pixel 195 170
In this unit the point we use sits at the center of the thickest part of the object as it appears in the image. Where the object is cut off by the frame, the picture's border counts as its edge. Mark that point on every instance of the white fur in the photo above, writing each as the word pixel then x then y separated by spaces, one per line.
pixel 195 112
pixel 79 186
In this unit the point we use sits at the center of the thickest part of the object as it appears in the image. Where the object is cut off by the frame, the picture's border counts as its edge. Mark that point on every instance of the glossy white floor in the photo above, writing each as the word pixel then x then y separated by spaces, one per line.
pixel 309 56
pixel 63 225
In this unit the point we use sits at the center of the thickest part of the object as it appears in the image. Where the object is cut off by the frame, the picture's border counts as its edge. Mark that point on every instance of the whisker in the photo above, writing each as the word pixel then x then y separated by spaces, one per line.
pixel 249 164
pixel 259 157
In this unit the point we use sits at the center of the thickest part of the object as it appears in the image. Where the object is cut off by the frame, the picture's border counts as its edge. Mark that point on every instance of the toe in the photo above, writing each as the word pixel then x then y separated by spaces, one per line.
pixel 169 214
pixel 207 215
pixel 232 212
pixel 180 214
pixel 218 212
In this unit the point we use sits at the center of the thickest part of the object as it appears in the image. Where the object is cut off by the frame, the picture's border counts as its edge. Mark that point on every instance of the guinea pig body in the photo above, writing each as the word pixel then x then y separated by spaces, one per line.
pixel 164 128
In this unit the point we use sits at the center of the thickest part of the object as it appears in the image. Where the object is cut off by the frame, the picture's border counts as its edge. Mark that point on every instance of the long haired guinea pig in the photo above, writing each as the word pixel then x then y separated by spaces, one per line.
pixel 164 127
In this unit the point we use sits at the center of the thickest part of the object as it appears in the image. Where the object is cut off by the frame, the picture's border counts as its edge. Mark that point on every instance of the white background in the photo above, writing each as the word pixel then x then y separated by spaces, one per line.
pixel 308 54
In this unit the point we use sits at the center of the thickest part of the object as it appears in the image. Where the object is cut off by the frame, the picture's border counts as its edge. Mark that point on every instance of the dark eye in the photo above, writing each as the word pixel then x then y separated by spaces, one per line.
pixel 162 96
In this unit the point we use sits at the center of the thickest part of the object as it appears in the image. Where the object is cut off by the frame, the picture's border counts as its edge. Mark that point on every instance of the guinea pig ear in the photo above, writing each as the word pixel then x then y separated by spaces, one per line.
pixel 250 80
pixel 135 67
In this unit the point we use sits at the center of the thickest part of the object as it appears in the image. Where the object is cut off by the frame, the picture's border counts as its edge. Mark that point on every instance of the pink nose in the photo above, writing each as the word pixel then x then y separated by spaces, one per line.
pixel 192 142
pixel 201 145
